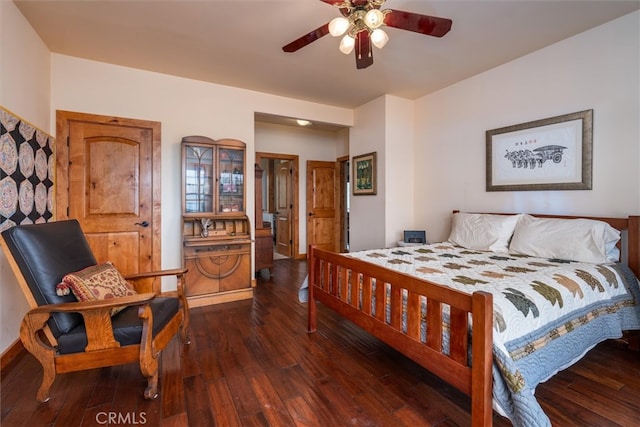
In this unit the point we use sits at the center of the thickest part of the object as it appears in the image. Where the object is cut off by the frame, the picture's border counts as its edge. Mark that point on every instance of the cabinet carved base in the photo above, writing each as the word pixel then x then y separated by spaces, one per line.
pixel 219 271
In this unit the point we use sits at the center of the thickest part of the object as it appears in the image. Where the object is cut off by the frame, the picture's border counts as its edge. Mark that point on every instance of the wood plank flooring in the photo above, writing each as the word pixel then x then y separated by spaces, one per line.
pixel 252 363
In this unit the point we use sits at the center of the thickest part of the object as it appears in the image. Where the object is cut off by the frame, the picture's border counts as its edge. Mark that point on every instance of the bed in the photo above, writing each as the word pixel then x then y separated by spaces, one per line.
pixel 489 314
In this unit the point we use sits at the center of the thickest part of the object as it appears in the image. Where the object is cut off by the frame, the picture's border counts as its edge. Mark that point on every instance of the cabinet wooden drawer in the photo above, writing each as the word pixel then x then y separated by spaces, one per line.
pixel 215 250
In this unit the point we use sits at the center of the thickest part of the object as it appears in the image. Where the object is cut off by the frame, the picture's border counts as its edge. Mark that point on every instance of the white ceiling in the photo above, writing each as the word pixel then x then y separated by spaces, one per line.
pixel 239 42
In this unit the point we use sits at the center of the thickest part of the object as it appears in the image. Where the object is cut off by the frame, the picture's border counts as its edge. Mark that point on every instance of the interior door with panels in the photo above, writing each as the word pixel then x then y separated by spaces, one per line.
pixel 109 171
pixel 323 205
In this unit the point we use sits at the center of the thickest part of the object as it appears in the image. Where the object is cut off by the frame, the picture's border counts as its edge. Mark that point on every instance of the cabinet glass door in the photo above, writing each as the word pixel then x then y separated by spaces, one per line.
pixel 198 179
pixel 231 180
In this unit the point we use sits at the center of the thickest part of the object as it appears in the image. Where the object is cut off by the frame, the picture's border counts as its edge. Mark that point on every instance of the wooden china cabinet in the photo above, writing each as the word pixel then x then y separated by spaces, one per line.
pixel 215 229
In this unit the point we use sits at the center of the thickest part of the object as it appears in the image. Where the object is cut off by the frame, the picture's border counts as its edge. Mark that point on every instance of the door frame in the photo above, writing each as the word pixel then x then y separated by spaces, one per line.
pixel 295 227
pixel 343 195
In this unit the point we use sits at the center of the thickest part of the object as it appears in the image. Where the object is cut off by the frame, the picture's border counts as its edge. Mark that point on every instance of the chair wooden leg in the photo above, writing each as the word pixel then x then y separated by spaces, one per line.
pixel 47 381
pixel 185 325
pixel 151 392
pixel 184 307
pixel 148 354
pixel 184 334
pixel 45 354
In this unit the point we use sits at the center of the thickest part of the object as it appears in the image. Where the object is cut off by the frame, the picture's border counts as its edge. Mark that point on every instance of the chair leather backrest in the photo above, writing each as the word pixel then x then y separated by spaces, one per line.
pixel 45 253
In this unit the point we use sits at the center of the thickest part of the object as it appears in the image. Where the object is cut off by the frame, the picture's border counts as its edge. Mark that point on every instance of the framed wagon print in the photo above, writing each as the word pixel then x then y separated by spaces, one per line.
pixel 547 154
pixel 364 174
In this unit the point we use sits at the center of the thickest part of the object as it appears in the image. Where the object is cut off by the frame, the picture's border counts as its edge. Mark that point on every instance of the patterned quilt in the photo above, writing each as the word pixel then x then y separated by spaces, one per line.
pixel 547 312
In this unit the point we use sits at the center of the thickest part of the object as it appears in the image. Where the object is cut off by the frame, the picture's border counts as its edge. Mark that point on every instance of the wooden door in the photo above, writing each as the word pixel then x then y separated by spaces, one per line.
pixel 108 172
pixel 284 207
pixel 323 205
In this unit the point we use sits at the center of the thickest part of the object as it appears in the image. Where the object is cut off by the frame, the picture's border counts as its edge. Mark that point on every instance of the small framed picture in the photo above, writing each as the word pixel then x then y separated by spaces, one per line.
pixel 364 174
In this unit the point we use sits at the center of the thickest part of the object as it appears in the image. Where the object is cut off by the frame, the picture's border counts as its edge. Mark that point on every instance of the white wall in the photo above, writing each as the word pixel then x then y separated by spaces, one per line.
pixel 24 90
pixel 367 215
pixel 398 168
pixel 385 126
pixel 308 144
pixel 24 68
pixel 598 69
pixel 184 107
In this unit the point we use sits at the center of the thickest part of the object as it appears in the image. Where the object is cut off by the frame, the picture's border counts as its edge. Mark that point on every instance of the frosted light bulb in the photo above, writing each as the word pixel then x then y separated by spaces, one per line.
pixel 338 26
pixel 379 38
pixel 374 18
pixel 347 44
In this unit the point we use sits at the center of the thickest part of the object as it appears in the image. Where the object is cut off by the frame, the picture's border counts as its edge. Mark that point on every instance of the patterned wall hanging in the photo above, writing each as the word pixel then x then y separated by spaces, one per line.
pixel 27 172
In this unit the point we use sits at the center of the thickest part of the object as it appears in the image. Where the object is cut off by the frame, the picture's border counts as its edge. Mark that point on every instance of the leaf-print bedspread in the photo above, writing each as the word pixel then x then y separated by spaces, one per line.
pixel 547 312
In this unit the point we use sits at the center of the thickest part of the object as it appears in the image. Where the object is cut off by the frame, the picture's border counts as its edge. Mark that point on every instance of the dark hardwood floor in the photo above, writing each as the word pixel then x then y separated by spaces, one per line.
pixel 252 363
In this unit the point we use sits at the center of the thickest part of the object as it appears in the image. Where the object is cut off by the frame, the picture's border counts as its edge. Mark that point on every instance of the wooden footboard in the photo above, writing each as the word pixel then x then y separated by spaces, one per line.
pixel 353 288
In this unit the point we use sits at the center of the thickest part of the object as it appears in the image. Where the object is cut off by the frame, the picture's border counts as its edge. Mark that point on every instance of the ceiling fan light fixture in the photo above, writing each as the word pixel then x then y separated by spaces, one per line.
pixel 374 18
pixel 338 26
pixel 361 24
pixel 379 38
pixel 347 44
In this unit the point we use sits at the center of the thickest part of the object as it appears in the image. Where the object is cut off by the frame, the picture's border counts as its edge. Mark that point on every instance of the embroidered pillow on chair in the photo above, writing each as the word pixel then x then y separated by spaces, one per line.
pixel 96 282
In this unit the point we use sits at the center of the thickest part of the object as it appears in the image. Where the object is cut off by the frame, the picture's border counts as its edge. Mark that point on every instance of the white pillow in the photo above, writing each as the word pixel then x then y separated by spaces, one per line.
pixel 484 232
pixel 582 240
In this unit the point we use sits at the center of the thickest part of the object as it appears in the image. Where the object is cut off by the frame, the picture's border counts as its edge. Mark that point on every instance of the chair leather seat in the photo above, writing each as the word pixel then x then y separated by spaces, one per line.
pixel 127 326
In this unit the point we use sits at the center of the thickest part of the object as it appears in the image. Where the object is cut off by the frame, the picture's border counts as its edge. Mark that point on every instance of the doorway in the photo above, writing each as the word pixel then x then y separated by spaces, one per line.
pixel 280 201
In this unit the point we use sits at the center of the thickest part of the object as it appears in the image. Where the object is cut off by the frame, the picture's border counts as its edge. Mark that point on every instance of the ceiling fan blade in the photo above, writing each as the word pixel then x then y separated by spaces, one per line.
pixel 423 24
pixel 307 38
pixel 364 53
pixel 333 2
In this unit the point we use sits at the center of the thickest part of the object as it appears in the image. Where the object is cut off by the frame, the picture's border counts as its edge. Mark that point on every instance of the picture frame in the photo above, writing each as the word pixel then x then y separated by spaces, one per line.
pixel 548 154
pixel 364 174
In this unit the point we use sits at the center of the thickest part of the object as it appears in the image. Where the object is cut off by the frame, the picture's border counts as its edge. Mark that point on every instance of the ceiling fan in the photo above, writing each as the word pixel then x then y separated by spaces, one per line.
pixel 361 23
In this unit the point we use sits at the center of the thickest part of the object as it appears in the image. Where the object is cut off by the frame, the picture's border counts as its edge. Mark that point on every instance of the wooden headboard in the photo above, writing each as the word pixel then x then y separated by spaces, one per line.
pixel 630 225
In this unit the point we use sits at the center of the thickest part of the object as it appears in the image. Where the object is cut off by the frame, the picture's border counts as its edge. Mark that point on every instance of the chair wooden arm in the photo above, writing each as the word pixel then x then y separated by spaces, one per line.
pixel 147 281
pixel 83 306
pixel 160 273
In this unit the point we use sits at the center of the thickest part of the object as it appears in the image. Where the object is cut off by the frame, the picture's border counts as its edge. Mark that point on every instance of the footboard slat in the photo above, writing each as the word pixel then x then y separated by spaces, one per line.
pixel 344 284
pixel 396 307
pixel 379 301
pixel 354 285
pixel 398 320
pixel 413 315
pixel 459 336
pixel 366 293
pixel 333 279
pixel 434 324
